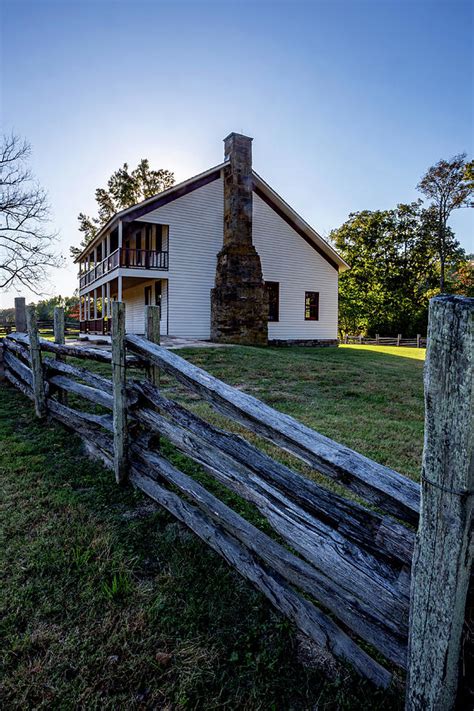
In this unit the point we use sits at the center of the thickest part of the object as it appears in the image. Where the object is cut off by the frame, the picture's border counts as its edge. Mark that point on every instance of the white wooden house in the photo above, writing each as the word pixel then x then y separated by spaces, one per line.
pixel 181 249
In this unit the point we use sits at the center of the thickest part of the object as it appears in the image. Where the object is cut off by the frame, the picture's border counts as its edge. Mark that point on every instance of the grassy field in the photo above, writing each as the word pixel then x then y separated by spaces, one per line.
pixel 106 602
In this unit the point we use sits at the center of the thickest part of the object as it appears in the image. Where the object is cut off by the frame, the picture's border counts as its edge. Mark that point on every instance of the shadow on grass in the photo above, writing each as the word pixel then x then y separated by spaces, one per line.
pixel 107 602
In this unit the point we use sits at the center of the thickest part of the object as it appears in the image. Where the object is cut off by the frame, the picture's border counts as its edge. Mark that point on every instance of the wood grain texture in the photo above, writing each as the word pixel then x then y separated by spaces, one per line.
pixel 92 379
pixel 152 333
pixel 304 614
pixel 22 387
pixel 374 482
pixel 59 338
pixel 20 369
pixel 376 533
pixel 373 583
pixel 295 570
pixel 443 555
pixel 119 381
pixel 36 364
pixel 98 397
pixel 83 352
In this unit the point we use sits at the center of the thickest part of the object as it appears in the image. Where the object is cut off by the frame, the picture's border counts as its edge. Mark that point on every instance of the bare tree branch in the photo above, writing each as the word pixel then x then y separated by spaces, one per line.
pixel 26 245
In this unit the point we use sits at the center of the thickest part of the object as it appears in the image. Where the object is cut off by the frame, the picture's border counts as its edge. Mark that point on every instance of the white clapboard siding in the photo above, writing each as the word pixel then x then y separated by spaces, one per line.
pixel 288 259
pixel 134 298
pixel 195 237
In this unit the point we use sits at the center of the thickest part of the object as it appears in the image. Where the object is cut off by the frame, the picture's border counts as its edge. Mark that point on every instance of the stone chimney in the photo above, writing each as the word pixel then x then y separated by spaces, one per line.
pixel 239 302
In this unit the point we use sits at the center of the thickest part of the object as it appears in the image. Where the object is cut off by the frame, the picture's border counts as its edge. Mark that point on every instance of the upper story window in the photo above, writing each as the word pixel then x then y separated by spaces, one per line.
pixel 311 306
pixel 273 290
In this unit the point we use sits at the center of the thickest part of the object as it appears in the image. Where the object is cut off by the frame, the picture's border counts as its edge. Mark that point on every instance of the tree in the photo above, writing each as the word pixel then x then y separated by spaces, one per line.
pixel 394 269
pixel 124 189
pixel 461 279
pixel 449 185
pixel 26 244
pixel 70 304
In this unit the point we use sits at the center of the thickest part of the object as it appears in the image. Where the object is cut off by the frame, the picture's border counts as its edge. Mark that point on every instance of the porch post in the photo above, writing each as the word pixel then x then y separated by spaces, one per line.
pixel 108 299
pixel 102 305
pixel 95 304
pixel 119 293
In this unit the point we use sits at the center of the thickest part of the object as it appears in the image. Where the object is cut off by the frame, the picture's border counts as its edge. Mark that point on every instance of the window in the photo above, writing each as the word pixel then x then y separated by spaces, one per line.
pixel 147 295
pixel 311 306
pixel 273 290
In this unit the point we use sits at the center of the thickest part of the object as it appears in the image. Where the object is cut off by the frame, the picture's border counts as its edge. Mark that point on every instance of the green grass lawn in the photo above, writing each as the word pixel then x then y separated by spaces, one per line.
pixel 106 602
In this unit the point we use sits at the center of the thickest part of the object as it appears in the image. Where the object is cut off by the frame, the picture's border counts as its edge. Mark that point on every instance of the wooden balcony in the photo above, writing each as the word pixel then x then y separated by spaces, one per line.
pixel 127 258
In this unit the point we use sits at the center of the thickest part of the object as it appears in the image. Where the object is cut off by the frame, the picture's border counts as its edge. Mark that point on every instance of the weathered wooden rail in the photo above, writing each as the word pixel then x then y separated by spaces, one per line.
pixel 339 569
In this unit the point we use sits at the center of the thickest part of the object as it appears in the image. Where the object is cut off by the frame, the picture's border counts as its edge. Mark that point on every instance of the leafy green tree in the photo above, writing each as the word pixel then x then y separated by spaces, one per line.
pixel 449 185
pixel 45 308
pixel 124 189
pixel 394 269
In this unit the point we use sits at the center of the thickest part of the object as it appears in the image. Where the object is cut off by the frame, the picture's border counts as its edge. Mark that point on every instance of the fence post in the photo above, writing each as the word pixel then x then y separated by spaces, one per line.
pixel 377 338
pixel 20 314
pixel 399 338
pixel 360 340
pixel 36 364
pixel 59 338
pixel 152 333
pixel 119 392
pixel 418 340
pixel 443 556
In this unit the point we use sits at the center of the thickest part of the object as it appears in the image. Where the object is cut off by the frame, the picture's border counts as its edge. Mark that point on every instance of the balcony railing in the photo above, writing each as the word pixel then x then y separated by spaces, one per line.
pixel 128 258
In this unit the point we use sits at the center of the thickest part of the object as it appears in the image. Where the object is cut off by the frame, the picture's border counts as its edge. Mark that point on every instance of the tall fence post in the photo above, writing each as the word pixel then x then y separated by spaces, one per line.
pixel 443 555
pixel 36 364
pixel 377 338
pixel 152 333
pixel 119 392
pixel 59 338
pixel 20 314
pixel 399 338
pixel 418 337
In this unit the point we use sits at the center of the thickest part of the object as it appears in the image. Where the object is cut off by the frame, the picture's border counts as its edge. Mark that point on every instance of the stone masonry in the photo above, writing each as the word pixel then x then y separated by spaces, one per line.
pixel 239 302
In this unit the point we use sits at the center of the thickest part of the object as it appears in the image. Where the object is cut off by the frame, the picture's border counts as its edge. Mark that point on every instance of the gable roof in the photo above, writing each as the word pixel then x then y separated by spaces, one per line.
pixel 142 208
pixel 286 212
pixel 261 188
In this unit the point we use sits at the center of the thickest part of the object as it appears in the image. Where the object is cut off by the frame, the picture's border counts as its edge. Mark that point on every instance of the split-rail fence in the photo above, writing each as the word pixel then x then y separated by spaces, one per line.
pixel 354 577
pixel 416 342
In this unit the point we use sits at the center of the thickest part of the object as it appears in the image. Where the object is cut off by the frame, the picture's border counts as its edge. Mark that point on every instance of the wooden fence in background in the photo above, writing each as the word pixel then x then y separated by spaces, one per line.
pixel 417 342
pixel 341 571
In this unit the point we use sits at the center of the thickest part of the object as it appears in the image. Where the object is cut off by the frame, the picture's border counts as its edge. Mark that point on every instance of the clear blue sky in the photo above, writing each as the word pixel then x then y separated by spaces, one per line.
pixel 348 101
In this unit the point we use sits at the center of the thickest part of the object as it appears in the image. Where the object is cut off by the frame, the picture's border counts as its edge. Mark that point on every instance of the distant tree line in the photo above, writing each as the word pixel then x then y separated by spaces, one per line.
pixel 45 309
pixel 401 257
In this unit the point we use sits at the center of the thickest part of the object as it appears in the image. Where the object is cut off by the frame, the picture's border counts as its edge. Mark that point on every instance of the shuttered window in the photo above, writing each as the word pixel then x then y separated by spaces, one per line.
pixel 311 306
